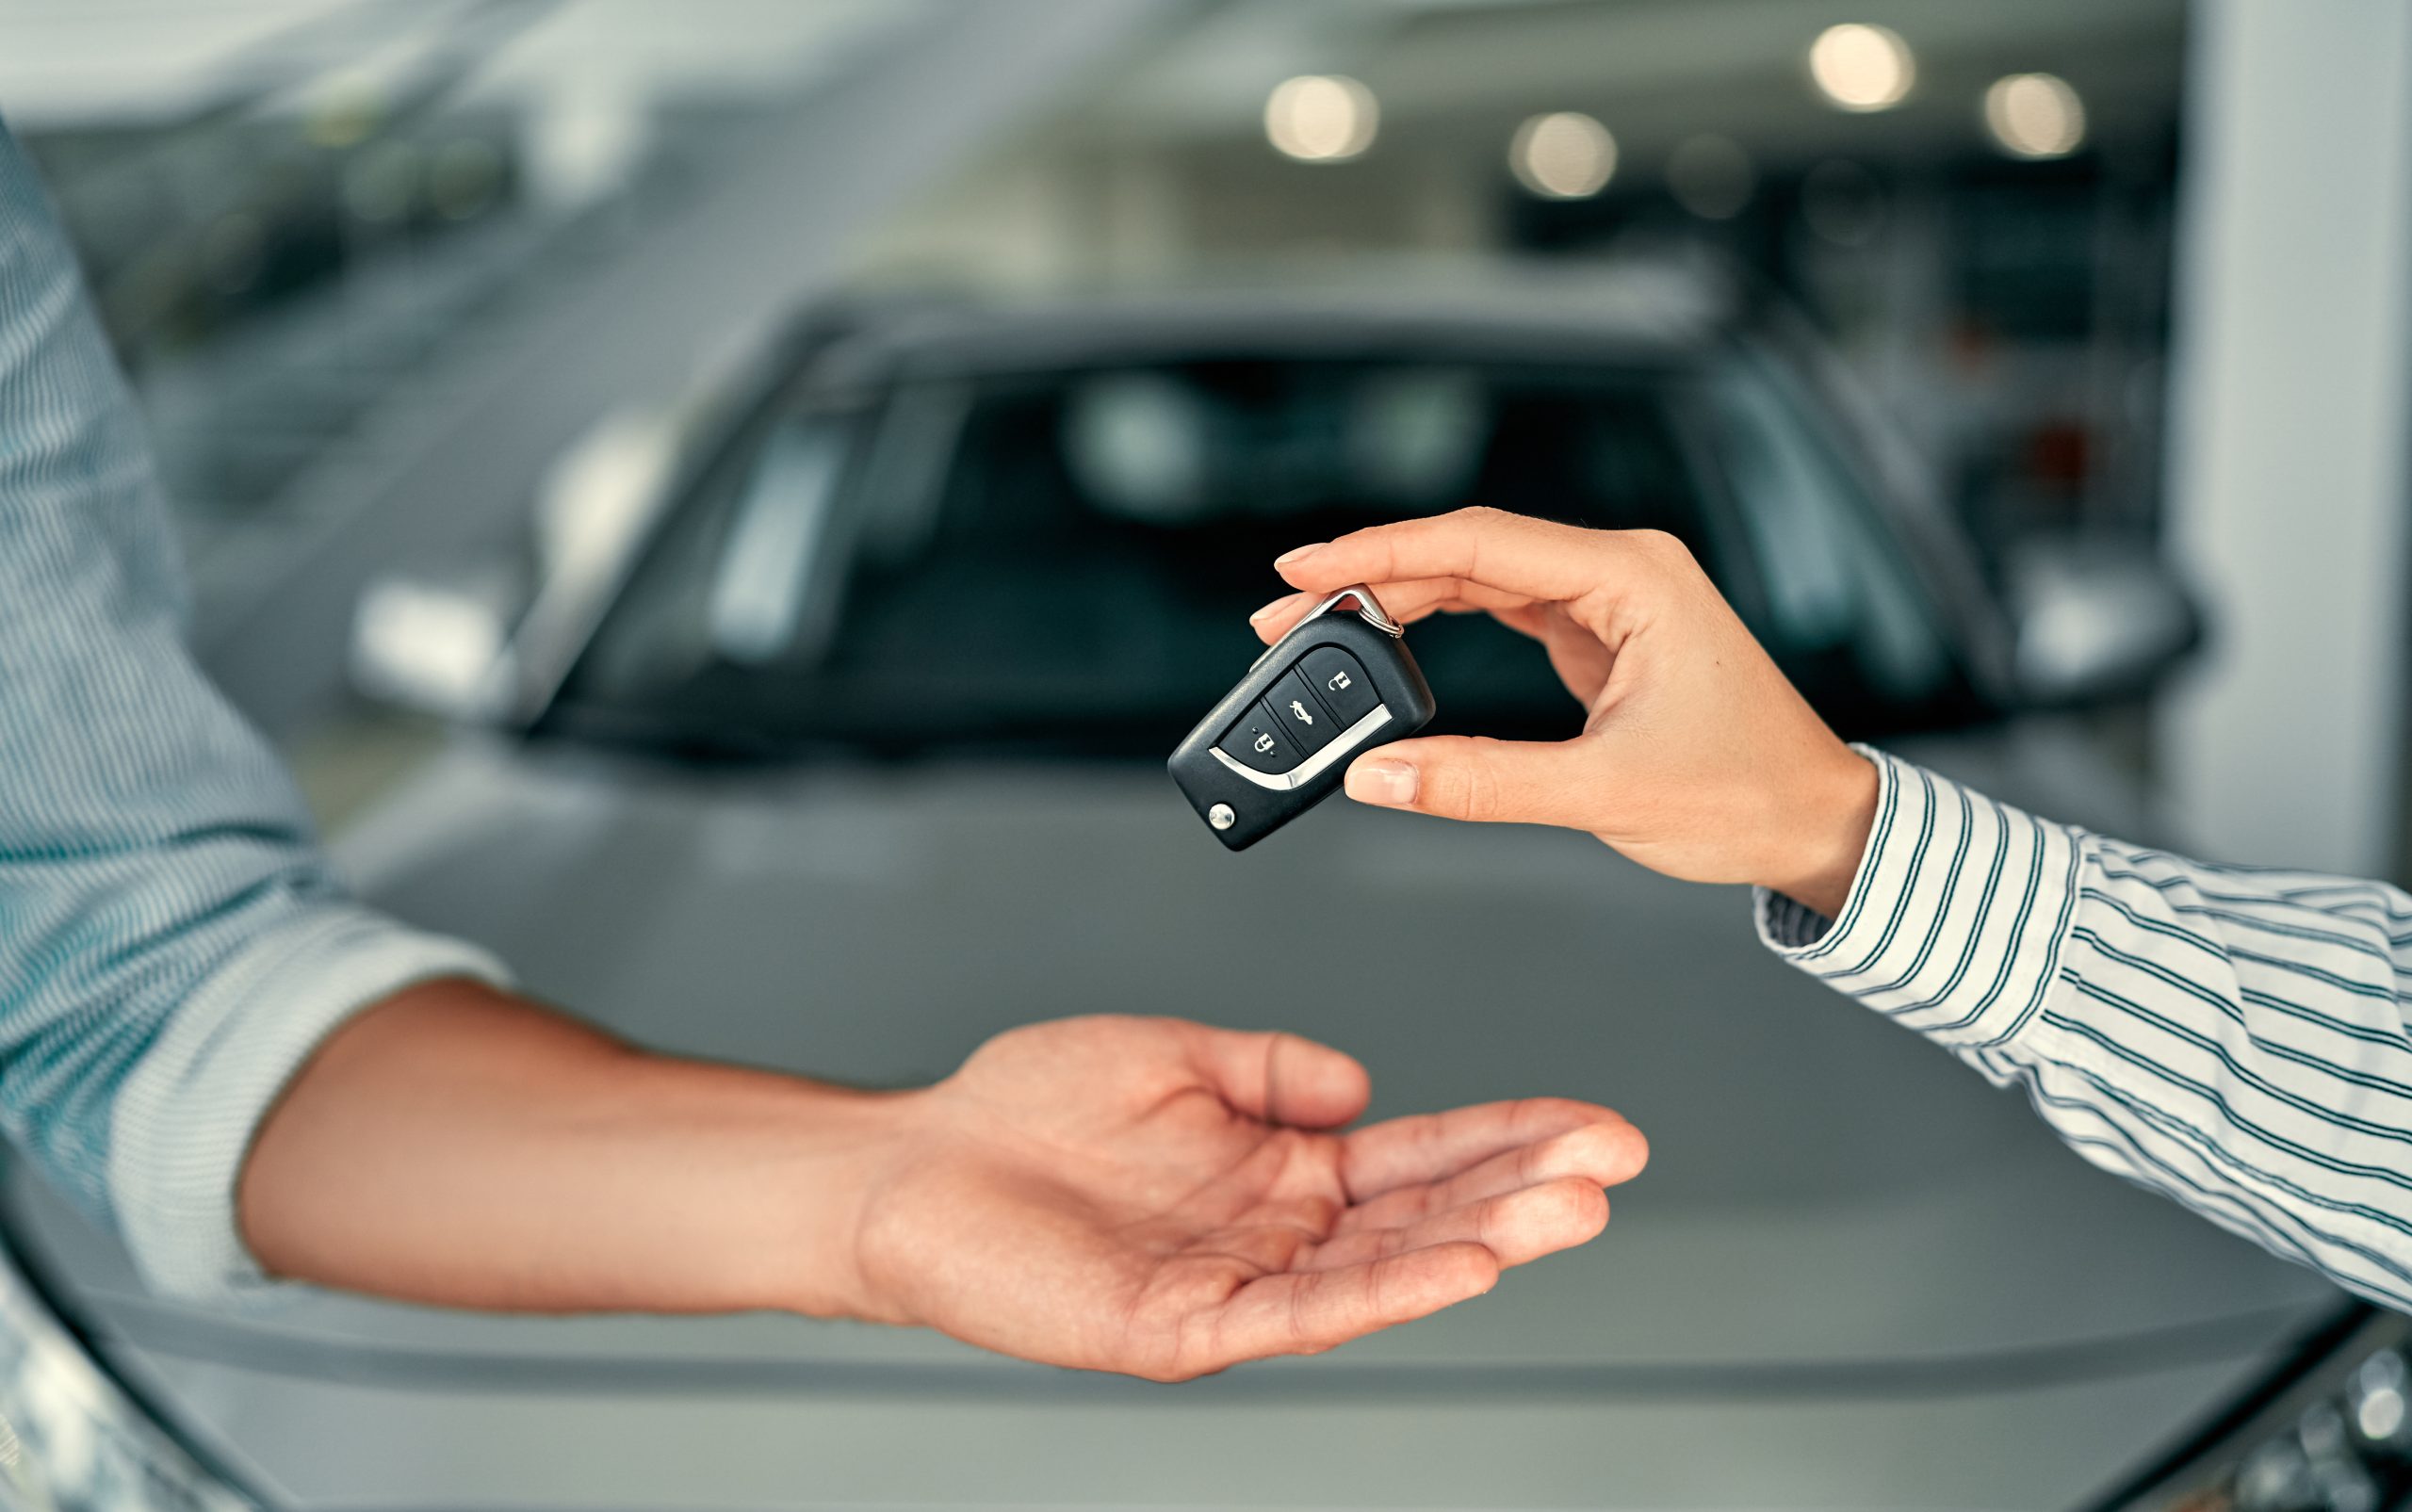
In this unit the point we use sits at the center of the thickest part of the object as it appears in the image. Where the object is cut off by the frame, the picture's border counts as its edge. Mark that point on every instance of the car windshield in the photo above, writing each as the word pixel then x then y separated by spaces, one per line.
pixel 1068 557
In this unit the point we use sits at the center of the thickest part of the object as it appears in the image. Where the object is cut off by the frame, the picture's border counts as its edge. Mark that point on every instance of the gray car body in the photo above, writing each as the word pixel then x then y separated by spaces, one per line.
pixel 1854 1275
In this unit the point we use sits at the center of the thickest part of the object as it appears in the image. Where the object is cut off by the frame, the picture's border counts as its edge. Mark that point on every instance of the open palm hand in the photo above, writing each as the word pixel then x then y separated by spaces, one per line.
pixel 1166 1199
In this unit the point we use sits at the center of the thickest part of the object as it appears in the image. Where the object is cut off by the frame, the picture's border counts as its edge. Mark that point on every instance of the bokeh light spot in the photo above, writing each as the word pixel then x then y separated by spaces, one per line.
pixel 1321 117
pixel 1564 156
pixel 1860 67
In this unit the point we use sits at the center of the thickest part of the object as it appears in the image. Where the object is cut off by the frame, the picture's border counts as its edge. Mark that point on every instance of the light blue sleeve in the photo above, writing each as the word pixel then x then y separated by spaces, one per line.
pixel 171 944
pixel 2238 1038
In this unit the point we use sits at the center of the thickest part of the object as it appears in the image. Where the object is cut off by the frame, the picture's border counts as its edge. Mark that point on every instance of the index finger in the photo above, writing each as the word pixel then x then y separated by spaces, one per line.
pixel 1405 601
pixel 1534 559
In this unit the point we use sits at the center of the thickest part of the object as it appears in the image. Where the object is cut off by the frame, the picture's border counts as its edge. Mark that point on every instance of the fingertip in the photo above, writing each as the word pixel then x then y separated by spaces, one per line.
pixel 1274 620
pixel 1360 1093
pixel 1383 781
pixel 1634 1146
pixel 1610 1151
pixel 1586 1212
pixel 1315 1086
pixel 1319 573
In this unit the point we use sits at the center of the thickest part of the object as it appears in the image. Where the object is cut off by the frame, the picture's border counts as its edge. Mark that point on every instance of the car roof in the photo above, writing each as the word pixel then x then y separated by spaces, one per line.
pixel 1654 316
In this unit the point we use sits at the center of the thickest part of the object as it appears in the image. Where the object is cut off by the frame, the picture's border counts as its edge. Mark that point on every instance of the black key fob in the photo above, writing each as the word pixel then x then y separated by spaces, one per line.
pixel 1280 742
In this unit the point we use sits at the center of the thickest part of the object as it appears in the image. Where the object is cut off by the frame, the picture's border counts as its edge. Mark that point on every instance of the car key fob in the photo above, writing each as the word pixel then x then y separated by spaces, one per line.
pixel 1280 742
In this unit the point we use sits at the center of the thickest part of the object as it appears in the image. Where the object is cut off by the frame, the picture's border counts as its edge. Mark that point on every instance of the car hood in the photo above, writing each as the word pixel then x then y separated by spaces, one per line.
pixel 1825 1190
pixel 1834 1210
pixel 1823 1186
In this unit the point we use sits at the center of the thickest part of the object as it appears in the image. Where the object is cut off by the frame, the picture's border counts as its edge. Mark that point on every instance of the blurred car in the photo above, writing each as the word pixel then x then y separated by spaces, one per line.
pixel 823 731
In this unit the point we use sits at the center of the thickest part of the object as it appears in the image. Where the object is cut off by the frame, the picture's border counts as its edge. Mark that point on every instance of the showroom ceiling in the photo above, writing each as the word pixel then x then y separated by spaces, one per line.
pixel 71 62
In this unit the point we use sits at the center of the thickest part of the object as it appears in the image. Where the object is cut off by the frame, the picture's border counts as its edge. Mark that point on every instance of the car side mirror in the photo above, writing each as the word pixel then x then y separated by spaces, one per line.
pixel 2098 622
pixel 439 643
pixel 485 644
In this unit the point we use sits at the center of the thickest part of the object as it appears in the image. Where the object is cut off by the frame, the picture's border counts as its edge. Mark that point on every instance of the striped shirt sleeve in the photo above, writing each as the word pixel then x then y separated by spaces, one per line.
pixel 2236 1038
pixel 172 944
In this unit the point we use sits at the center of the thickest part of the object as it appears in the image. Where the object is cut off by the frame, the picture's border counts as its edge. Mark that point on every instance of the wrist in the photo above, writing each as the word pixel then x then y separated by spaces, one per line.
pixel 1830 817
pixel 843 1146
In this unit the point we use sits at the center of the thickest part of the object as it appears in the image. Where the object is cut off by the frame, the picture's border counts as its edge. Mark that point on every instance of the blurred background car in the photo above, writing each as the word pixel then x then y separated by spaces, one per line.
pixel 800 697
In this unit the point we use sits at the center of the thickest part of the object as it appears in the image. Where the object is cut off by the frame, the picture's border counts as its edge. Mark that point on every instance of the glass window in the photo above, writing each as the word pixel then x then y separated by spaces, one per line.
pixel 1071 555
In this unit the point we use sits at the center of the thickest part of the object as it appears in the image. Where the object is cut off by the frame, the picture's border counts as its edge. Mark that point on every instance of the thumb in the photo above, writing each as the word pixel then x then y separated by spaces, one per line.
pixel 1281 1079
pixel 1474 777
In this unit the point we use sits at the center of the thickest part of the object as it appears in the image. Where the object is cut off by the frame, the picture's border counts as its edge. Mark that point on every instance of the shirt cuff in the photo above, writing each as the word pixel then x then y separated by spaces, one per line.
pixel 1957 917
pixel 185 1120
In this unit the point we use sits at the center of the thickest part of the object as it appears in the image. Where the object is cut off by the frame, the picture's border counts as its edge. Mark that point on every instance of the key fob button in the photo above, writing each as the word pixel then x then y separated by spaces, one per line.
pixel 1277 745
pixel 1259 742
pixel 1339 682
pixel 1309 725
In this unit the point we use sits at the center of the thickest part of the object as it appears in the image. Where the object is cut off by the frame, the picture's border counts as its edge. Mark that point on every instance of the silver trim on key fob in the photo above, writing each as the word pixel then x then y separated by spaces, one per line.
pixel 1368 608
pixel 1306 771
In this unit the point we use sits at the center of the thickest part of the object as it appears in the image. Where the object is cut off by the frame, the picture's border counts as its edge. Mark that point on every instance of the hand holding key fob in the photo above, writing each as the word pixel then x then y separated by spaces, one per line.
pixel 1280 742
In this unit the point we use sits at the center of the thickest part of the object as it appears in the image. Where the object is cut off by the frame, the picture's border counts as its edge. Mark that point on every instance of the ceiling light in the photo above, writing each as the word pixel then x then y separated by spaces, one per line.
pixel 1565 155
pixel 1320 118
pixel 1862 67
pixel 2036 115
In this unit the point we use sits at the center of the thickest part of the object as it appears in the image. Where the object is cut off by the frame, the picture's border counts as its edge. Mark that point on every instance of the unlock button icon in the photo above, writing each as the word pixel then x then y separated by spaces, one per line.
pixel 1338 681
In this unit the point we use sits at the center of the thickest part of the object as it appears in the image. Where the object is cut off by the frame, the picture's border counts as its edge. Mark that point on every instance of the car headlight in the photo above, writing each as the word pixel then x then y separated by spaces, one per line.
pixel 73 1440
pixel 2331 1431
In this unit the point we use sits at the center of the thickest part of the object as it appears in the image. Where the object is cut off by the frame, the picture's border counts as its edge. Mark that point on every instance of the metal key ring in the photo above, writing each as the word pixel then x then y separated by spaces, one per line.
pixel 1369 609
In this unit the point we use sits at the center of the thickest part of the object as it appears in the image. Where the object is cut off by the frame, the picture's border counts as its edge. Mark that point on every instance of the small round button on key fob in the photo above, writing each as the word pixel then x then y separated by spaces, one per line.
pixel 1280 743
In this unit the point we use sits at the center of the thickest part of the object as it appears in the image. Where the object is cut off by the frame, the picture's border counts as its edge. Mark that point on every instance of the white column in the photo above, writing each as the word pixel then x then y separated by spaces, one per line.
pixel 2291 429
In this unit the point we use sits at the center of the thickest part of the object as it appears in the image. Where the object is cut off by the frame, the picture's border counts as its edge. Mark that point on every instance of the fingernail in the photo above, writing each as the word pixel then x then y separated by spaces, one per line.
pixel 1288 556
pixel 1268 609
pixel 1383 782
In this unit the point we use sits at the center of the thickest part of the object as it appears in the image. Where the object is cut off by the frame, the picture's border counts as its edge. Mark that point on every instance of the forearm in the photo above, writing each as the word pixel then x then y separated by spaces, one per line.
pixel 2234 1039
pixel 456 1144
